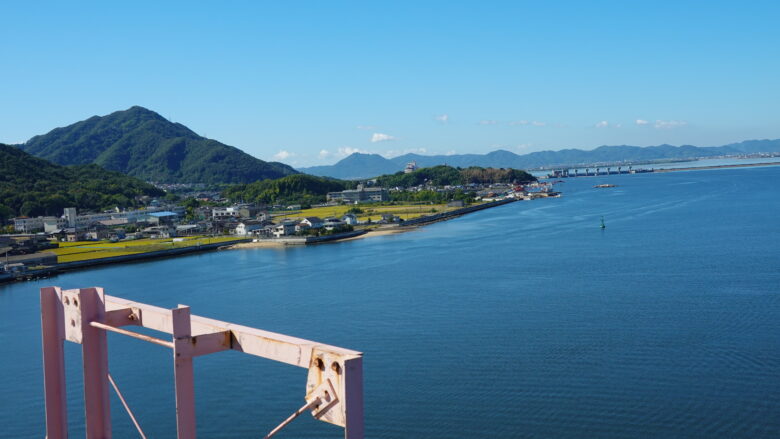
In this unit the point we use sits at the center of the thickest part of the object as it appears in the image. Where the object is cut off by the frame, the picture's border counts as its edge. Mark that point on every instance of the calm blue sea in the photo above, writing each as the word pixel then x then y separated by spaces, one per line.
pixel 526 320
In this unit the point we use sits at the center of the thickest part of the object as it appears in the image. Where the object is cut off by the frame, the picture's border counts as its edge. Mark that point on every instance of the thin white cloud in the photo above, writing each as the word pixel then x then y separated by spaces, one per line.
pixel 395 153
pixel 618 125
pixel 379 137
pixel 536 123
pixel 346 150
pixel 324 153
pixel 283 155
pixel 488 122
pixel 518 122
pixel 641 122
pixel 366 127
pixel 669 124
pixel 450 152
pixel 443 118
pixel 523 147
pixel 602 124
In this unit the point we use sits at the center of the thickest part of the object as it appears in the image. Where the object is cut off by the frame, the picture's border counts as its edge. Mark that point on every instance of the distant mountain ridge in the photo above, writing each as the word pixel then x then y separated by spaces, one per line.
pixel 359 165
pixel 141 143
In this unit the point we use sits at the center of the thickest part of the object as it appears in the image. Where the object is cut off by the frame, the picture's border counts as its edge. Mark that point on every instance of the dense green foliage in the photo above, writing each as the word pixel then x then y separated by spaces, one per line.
pixel 446 175
pixel 306 189
pixel 141 143
pixel 31 186
pixel 294 189
pixel 432 196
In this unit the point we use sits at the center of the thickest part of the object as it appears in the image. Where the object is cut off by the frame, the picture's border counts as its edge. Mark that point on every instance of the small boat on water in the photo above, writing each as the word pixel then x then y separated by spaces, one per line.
pixel 603 226
pixel 601 186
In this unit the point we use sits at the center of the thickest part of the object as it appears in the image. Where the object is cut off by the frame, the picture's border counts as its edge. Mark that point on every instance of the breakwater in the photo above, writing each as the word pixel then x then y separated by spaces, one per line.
pixel 453 213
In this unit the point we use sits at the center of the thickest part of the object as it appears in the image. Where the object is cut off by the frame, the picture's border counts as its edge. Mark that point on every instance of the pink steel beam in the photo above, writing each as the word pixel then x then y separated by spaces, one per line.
pixel 266 344
pixel 183 373
pixel 95 358
pixel 52 324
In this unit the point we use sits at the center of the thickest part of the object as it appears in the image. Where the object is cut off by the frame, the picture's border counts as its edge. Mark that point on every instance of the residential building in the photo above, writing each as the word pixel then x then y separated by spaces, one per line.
pixel 313 222
pixel 25 224
pixel 238 211
pixel 332 223
pixel 360 195
pixel 350 219
pixel 284 228
pixel 245 228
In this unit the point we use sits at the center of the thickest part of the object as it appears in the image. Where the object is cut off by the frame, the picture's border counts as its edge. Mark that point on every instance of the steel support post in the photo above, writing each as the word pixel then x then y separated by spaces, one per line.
pixel 95 357
pixel 353 395
pixel 53 364
pixel 183 372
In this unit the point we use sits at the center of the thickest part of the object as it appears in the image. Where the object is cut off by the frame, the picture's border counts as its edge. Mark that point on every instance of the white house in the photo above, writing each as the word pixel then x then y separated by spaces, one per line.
pixel 332 223
pixel 247 227
pixel 284 229
pixel 350 219
pixel 313 222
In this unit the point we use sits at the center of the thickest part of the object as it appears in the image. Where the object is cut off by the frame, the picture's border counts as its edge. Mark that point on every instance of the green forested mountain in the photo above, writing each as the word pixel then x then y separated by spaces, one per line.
pixel 447 175
pixel 141 143
pixel 293 189
pixel 32 186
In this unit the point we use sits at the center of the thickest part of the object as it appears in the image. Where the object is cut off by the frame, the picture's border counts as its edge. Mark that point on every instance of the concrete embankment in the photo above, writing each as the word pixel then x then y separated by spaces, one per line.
pixel 453 213
pixel 301 240
pixel 148 255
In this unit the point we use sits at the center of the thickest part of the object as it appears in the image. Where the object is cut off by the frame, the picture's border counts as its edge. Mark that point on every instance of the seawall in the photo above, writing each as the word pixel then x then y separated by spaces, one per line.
pixel 453 213
pixel 148 255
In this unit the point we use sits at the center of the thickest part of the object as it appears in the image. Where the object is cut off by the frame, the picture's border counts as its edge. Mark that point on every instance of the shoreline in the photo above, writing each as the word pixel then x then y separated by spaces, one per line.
pixel 381 230
pixel 53 270
pixel 271 243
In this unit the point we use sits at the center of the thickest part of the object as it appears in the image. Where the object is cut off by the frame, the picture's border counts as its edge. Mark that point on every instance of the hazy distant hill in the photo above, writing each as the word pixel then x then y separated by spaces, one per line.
pixel 141 143
pixel 32 186
pixel 356 166
pixel 371 165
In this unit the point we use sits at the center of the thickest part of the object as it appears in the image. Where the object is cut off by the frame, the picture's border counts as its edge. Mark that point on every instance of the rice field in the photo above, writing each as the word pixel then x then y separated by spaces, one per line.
pixel 87 250
pixel 373 212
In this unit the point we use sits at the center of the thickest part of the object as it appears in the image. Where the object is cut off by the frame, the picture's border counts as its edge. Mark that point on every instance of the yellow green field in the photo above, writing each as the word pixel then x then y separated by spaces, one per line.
pixel 405 211
pixel 86 250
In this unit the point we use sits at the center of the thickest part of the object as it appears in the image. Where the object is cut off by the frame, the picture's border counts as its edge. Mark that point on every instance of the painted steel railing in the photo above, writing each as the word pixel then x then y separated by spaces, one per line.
pixel 334 387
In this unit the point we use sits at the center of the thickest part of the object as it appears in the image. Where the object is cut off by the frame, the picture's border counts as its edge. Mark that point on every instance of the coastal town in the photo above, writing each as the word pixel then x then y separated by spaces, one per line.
pixel 40 246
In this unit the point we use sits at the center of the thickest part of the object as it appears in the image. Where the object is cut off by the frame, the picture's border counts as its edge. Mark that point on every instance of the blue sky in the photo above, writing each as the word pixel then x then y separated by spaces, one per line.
pixel 308 82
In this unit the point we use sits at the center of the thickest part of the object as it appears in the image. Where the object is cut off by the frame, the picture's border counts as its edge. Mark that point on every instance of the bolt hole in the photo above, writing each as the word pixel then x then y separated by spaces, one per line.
pixel 67 301
pixel 75 302
pixel 320 365
pixel 336 368
pixel 72 322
